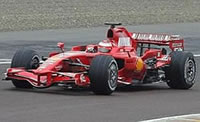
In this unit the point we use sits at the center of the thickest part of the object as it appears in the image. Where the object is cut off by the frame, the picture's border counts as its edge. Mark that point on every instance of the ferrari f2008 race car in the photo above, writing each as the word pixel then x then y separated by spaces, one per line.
pixel 122 58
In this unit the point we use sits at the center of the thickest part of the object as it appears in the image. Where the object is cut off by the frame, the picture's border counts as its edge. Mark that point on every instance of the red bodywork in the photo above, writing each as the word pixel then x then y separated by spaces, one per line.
pixel 130 50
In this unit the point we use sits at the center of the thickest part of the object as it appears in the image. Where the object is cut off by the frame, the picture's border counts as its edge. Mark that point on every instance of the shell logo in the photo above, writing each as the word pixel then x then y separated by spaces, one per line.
pixel 139 65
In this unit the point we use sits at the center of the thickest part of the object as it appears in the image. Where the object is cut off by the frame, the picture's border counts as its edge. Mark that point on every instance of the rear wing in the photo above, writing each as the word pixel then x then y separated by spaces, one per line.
pixel 173 41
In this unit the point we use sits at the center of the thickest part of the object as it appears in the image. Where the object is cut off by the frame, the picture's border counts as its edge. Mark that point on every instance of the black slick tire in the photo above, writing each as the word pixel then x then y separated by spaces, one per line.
pixel 182 70
pixel 103 74
pixel 27 59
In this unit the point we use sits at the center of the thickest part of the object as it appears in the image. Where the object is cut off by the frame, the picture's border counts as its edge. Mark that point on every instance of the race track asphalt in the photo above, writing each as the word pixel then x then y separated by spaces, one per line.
pixel 127 104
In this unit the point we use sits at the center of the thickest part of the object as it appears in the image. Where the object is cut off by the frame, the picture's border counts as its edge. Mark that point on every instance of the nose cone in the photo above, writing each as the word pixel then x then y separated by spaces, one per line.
pixel 50 64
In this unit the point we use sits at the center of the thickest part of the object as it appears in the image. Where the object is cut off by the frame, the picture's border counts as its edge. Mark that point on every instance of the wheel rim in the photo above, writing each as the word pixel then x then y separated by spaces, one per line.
pixel 190 71
pixel 35 62
pixel 113 76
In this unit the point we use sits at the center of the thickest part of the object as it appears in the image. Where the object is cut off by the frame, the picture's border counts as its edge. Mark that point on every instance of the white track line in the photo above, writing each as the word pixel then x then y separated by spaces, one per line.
pixel 5 63
pixel 196 55
pixel 190 118
pixel 5 60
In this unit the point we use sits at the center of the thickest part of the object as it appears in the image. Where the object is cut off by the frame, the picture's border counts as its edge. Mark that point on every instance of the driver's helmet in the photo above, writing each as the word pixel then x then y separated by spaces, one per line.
pixel 105 43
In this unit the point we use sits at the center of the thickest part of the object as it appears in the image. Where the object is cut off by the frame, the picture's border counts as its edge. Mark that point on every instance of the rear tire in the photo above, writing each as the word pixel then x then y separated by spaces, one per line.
pixel 28 59
pixel 103 75
pixel 182 70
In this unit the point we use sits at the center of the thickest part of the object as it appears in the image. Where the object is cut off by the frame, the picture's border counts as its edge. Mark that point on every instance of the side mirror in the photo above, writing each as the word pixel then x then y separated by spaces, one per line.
pixel 61 46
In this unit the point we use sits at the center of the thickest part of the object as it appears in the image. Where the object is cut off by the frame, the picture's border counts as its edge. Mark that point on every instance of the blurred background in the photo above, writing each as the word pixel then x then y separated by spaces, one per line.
pixel 18 15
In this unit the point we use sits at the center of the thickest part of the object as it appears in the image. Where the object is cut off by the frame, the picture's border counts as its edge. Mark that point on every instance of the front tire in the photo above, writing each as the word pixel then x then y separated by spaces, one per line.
pixel 182 70
pixel 28 59
pixel 103 74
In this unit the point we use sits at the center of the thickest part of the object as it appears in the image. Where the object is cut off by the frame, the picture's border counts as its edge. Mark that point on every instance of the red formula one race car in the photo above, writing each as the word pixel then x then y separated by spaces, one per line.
pixel 122 58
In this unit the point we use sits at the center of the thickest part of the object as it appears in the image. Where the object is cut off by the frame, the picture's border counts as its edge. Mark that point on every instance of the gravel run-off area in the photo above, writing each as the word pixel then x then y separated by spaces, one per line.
pixel 18 15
